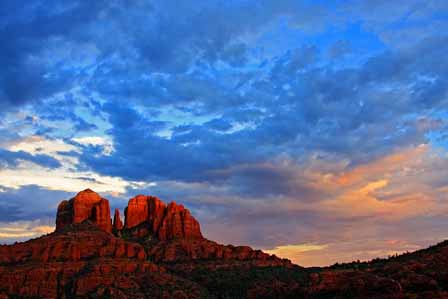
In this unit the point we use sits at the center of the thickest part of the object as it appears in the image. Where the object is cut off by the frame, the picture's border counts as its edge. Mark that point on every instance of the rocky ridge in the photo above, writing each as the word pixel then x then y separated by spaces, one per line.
pixel 160 252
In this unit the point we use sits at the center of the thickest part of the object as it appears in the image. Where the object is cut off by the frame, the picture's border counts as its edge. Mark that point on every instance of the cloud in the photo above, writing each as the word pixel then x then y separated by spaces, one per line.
pixel 28 75
pixel 22 230
pixel 399 25
pixel 355 113
pixel 296 252
pixel 29 203
pixel 29 166
pixel 10 159
pixel 364 202
pixel 312 255
pixel 368 202
pixel 390 198
pixel 296 122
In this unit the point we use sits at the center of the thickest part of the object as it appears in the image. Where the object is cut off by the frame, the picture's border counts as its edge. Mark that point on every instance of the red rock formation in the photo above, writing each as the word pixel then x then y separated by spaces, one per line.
pixel 157 213
pixel 118 224
pixel 136 211
pixel 86 205
pixel 183 253
pixel 85 262
pixel 164 222
pixel 82 260
pixel 159 220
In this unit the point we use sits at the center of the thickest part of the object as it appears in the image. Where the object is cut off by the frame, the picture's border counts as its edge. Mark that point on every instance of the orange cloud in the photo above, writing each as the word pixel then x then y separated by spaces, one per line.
pixel 364 202
pixel 384 166
pixel 309 255
pixel 23 229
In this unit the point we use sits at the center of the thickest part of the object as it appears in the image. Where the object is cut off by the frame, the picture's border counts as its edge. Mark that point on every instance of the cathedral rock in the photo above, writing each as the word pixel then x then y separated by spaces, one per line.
pixel 144 216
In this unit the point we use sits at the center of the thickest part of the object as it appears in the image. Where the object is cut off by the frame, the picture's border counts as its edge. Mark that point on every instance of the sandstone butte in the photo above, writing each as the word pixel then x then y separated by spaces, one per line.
pixel 160 252
pixel 144 215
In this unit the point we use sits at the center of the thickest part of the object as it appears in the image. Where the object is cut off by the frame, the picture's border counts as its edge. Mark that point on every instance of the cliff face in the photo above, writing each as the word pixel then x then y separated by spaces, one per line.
pixel 149 215
pixel 86 205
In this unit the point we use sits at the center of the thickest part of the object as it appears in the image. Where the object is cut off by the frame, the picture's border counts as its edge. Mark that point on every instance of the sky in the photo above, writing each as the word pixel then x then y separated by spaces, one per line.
pixel 314 130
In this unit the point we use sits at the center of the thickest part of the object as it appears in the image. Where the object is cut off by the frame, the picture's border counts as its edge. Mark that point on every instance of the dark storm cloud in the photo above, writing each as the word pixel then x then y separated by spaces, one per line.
pixel 29 203
pixel 26 32
pixel 10 159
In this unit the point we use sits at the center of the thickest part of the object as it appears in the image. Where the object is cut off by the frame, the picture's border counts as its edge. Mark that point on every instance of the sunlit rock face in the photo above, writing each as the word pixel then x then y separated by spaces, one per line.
pixel 144 216
pixel 137 211
pixel 149 215
pixel 86 205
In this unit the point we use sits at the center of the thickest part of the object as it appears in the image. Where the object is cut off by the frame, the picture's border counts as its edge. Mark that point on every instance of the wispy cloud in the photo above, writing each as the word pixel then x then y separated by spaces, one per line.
pixel 20 230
